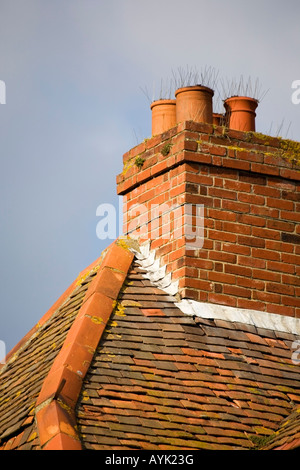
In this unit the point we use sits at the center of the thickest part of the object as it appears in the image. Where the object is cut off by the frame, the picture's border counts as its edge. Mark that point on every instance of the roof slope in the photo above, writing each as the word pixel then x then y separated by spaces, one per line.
pixel 22 378
pixel 287 437
pixel 163 380
pixel 41 381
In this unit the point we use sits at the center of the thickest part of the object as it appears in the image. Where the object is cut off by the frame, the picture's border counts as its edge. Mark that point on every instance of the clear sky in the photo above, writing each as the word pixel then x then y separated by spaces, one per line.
pixel 74 71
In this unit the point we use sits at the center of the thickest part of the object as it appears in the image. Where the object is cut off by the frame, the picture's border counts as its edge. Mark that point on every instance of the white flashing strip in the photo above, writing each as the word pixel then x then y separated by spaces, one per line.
pixel 157 275
pixel 270 321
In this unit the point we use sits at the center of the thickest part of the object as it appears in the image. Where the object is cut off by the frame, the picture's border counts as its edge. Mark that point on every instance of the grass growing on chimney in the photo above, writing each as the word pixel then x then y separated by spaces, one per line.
pixel 139 162
pixel 166 149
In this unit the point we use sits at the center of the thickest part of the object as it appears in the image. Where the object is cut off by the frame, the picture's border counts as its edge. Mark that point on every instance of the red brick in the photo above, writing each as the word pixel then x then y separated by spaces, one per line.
pixel 251 262
pixel 280 225
pixel 266 191
pixel 200 263
pixel 254 179
pixel 250 304
pixel 237 164
pixel 235 206
pixel 222 299
pixel 292 174
pixel 237 186
pixel 266 275
pixel 264 169
pixel 198 284
pixel 224 173
pixel 191 167
pixel 251 198
pixel 290 216
pixel 237 249
pixel 143 175
pixel 251 241
pixel 267 297
pixel 281 267
pixel 222 193
pixel 199 179
pixel 187 272
pixel 149 162
pixel 215 150
pixel 251 156
pixel 236 228
pixel 279 246
pixel 222 215
pixel 279 309
pixel 221 256
pixel 290 301
pixel 251 220
pixel 177 254
pixel 280 204
pixel 280 288
pixel 250 283
pixel 288 279
pixel 238 270
pixel 265 254
pixel 264 211
pixel 265 233
pixel 292 259
pixel 223 236
pixel 191 145
pixel 222 277
pixel 273 160
pixel 178 190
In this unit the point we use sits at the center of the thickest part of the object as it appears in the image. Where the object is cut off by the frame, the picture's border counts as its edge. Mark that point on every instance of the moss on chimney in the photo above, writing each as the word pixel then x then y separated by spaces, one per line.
pixel 288 149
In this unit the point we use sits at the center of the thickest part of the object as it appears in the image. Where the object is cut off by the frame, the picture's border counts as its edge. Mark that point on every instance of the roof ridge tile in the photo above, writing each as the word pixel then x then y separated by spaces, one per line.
pixel 61 388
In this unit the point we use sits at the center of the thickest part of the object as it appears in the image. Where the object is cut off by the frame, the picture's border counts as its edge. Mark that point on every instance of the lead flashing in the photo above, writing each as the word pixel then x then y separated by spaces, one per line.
pixel 147 259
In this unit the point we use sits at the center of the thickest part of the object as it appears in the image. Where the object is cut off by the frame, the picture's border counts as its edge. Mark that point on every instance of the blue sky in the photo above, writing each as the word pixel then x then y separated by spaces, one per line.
pixel 73 71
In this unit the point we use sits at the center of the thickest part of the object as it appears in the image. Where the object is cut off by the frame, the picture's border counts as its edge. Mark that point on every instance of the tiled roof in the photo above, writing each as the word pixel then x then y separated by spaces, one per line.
pixel 163 380
pixel 116 364
pixel 22 378
pixel 287 437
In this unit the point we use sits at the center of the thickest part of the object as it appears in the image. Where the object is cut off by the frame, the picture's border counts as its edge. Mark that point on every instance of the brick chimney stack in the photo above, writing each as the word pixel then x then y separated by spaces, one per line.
pixel 220 207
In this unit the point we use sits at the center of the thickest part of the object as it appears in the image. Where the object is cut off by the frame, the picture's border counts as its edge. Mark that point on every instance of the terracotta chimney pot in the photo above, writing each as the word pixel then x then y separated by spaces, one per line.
pixel 194 103
pixel 163 115
pixel 240 111
pixel 218 119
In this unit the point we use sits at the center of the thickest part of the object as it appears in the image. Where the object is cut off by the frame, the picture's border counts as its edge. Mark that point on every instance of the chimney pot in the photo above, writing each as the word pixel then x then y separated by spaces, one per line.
pixel 240 113
pixel 163 115
pixel 218 119
pixel 194 103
